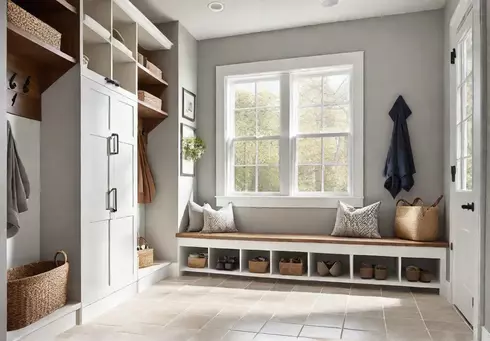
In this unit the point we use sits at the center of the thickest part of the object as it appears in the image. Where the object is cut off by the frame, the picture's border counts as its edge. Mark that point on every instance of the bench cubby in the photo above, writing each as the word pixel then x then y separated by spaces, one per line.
pixel 395 254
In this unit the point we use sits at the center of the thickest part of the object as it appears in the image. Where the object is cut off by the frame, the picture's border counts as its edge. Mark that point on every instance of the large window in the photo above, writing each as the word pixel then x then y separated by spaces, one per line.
pixel 289 132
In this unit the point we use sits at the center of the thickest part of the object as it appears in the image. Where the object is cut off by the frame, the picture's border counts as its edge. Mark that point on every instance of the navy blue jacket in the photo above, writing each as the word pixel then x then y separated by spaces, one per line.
pixel 399 168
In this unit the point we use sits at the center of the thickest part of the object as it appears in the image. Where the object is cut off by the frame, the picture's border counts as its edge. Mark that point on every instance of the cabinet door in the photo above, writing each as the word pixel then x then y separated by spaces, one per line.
pixel 124 118
pixel 96 108
pixel 95 262
pixel 123 252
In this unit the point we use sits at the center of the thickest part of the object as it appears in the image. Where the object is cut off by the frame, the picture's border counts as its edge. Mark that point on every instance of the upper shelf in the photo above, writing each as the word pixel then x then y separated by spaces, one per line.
pixel 146 77
pixel 47 6
pixel 149 36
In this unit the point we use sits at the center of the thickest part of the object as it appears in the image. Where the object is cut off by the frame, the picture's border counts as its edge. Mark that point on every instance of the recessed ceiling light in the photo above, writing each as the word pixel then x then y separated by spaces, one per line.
pixel 216 6
pixel 329 3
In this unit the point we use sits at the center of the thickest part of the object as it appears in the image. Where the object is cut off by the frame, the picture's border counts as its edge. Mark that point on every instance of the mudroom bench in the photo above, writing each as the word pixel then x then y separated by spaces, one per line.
pixel 395 254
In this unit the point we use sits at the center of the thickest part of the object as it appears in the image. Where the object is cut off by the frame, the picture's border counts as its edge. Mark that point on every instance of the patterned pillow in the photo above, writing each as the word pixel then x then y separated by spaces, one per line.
pixel 196 217
pixel 219 221
pixel 361 222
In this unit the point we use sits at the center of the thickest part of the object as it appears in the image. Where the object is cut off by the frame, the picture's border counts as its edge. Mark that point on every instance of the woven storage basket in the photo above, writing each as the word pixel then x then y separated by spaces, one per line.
pixel 322 269
pixel 417 222
pixel 412 273
pixel 380 272
pixel 199 263
pixel 290 268
pixel 35 291
pixel 150 99
pixel 154 69
pixel 145 257
pixel 366 271
pixel 32 25
pixel 258 267
pixel 141 59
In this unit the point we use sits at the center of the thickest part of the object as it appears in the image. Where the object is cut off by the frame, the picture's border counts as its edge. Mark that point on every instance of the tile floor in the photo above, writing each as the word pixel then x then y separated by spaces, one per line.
pixel 196 308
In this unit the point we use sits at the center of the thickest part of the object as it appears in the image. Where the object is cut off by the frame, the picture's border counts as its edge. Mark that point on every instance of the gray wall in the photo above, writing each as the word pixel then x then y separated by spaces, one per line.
pixel 167 212
pixel 402 56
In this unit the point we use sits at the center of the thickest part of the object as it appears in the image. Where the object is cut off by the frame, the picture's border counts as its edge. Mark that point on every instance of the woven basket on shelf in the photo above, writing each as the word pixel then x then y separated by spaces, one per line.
pixel 366 271
pixel 145 257
pixel 197 262
pixel 290 268
pixel 32 25
pixel 258 267
pixel 150 99
pixel 36 290
pixel 154 69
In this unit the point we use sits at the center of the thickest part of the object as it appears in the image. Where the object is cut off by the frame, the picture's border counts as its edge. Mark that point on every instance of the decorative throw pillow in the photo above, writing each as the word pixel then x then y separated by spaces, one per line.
pixel 219 221
pixel 196 217
pixel 357 222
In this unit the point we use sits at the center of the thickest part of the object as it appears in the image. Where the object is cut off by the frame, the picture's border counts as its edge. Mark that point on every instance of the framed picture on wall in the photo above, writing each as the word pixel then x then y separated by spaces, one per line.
pixel 187 167
pixel 188 105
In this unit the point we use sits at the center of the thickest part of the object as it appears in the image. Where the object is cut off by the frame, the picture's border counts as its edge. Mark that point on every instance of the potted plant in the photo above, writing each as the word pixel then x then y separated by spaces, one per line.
pixel 194 148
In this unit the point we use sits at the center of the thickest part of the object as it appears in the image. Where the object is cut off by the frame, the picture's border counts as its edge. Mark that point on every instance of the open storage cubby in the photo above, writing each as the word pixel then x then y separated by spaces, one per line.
pixel 431 265
pixel 248 255
pixel 287 255
pixel 185 252
pixel 215 254
pixel 323 257
pixel 390 262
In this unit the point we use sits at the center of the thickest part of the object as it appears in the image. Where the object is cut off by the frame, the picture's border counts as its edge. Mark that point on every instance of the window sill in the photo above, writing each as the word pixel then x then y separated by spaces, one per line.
pixel 288 202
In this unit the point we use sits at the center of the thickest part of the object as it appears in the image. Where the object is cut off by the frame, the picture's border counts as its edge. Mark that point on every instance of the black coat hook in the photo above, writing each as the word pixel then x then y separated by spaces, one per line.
pixel 14 99
pixel 12 84
pixel 26 84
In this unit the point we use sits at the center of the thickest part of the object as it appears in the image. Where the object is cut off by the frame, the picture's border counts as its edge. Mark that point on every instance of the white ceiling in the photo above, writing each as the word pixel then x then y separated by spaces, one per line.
pixel 247 16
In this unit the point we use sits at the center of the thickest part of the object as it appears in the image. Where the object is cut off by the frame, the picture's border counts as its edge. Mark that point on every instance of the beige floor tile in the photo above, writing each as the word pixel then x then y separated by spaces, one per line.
pixel 401 325
pixel 235 283
pixel 367 312
pixel 283 286
pixel 290 317
pixel 311 288
pixel 209 281
pixel 250 324
pixel 268 337
pixel 365 291
pixel 204 309
pixel 412 335
pixel 261 285
pixel 365 323
pixel 441 314
pixel 274 297
pixel 320 332
pixel 189 321
pixel 336 289
pixel 278 328
pixel 362 335
pixel 449 336
pixel 175 334
pixel 222 322
pixel 209 335
pixel 257 314
pixel 239 336
pixel 447 327
pixel 402 312
pixel 325 320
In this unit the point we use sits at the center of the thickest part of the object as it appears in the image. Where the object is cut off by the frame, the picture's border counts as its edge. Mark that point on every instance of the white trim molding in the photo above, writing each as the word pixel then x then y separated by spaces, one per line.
pixel 286 71
pixel 485 335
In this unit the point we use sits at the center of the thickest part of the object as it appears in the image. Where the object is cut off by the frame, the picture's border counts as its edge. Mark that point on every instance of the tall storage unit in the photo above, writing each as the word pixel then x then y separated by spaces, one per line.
pixel 90 118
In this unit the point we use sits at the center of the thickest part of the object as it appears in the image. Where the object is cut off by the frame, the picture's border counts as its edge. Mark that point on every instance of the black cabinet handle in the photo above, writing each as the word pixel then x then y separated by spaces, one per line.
pixel 112 81
pixel 114 151
pixel 469 207
pixel 113 208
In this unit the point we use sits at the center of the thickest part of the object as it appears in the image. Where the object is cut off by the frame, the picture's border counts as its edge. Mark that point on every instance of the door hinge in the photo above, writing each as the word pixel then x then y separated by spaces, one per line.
pixel 451 246
pixel 453 56
pixel 472 302
pixel 453 173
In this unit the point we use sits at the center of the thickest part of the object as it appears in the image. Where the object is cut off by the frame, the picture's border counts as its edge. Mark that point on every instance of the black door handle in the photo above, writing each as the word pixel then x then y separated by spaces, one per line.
pixel 113 209
pixel 114 151
pixel 469 207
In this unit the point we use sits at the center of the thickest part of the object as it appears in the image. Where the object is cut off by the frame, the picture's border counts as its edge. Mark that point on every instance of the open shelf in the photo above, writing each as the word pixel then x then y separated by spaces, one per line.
pixel 51 6
pixel 147 111
pixel 94 33
pixel 119 53
pixel 146 77
pixel 25 45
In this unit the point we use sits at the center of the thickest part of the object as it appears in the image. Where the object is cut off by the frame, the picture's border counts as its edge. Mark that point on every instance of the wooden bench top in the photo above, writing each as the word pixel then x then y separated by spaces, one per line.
pixel 302 238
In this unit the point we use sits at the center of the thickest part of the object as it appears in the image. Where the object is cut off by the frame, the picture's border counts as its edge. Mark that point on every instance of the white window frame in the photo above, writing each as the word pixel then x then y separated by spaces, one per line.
pixel 288 198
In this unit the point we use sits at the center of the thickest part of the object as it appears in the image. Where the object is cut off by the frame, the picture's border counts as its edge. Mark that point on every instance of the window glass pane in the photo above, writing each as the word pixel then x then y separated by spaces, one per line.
pixel 459 136
pixel 336 119
pixel 245 123
pixel 245 152
pixel 336 179
pixel 269 123
pixel 268 152
pixel 245 179
pixel 309 91
pixel 244 95
pixel 468 137
pixel 336 89
pixel 268 179
pixel 310 178
pixel 268 93
pixel 309 151
pixel 468 46
pixel 468 97
pixel 335 150
pixel 459 111
pixel 468 173
pixel 310 120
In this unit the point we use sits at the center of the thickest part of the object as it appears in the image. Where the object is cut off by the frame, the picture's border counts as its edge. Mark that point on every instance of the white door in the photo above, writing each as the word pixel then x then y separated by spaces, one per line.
pixel 465 157
pixel 123 268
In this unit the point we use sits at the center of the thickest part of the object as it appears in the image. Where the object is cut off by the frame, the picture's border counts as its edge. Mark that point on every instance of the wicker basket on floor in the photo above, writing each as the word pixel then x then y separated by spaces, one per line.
pixel 150 99
pixel 35 291
pixel 145 256
pixel 19 17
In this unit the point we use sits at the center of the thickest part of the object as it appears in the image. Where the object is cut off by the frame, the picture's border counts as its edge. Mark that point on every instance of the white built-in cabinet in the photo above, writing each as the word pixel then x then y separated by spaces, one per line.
pixel 109 178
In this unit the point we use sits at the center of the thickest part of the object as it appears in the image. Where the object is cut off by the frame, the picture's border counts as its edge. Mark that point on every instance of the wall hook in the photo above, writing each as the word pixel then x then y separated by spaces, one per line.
pixel 14 99
pixel 26 84
pixel 12 84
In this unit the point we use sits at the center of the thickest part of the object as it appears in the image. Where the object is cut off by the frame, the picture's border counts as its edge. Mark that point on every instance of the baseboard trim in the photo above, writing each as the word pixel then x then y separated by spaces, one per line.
pixel 485 335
